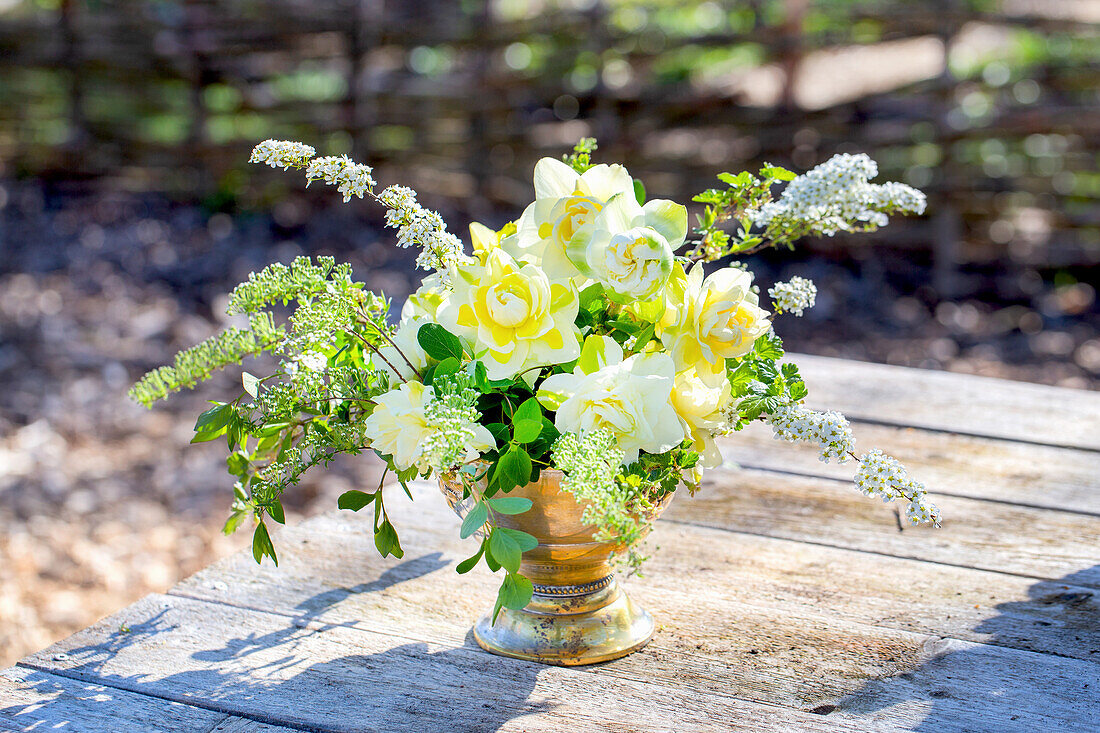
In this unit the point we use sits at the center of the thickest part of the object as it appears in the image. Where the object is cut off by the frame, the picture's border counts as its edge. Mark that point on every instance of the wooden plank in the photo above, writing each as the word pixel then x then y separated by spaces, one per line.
pixel 713 635
pixel 34 700
pixel 783 576
pixel 336 678
pixel 959 465
pixel 959 403
pixel 710 647
pixel 1031 542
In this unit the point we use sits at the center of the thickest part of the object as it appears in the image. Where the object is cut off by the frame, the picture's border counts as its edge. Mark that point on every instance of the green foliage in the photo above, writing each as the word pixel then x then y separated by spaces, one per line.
pixel 761 382
pixel 278 283
pixel 743 193
pixel 199 362
pixel 581 157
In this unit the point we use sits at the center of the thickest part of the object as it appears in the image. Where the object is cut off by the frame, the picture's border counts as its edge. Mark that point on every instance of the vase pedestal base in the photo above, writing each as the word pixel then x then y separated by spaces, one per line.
pixel 569 626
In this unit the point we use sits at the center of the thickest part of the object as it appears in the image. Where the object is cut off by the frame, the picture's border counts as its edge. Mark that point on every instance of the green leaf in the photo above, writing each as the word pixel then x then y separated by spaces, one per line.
pixel 639 191
pixel 591 295
pixel 768 346
pixel 450 365
pixel 354 500
pixel 513 469
pixel 233 522
pixel 251 384
pixel 468 564
pixel 275 511
pixel 515 593
pixel 481 378
pixel 529 410
pixel 778 173
pixel 525 541
pixel 504 549
pixel 499 431
pixel 527 421
pixel 266 431
pixel 509 504
pixel 798 391
pixel 261 545
pixel 208 436
pixel 385 539
pixel 474 520
pixel 438 342
pixel 525 431
pixel 216 418
pixel 493 564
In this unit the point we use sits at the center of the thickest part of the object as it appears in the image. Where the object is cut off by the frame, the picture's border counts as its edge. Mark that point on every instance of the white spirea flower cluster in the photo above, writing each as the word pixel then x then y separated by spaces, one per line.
pixel 836 196
pixel 349 177
pixel 439 249
pixel 793 296
pixel 282 154
pixel 883 476
pixel 591 463
pixel 453 417
pixel 830 430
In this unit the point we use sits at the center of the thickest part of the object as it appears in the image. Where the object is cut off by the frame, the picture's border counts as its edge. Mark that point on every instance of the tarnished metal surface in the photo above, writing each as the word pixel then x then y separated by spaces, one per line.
pixel 579 613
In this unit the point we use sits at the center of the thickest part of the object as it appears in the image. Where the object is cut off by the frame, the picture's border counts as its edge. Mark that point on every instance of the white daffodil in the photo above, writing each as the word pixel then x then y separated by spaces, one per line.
pixel 417 429
pixel 632 398
pixel 702 411
pixel 712 320
pixel 511 312
pixel 566 202
pixel 628 248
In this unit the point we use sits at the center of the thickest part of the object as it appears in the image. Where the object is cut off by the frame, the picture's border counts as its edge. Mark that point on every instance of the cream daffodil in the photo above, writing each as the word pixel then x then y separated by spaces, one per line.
pixel 512 315
pixel 400 427
pixel 630 397
pixel 628 249
pixel 427 298
pixel 702 412
pixel 485 240
pixel 710 320
pixel 566 202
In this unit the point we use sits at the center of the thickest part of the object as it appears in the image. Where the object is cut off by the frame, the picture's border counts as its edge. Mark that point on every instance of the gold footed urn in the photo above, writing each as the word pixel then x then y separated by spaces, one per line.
pixel 579 613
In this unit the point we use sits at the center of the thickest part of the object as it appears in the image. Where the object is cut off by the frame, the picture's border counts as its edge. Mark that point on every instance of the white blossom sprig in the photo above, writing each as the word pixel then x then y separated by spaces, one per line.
pixel 837 196
pixel 794 296
pixel 883 476
pixel 440 249
pixel 282 154
pixel 878 475
pixel 349 177
pixel 831 431
pixel 452 414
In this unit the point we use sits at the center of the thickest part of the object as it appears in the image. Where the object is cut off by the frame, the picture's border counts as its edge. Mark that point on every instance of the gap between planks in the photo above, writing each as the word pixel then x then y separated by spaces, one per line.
pixel 956 403
pixel 780 568
pixel 311 682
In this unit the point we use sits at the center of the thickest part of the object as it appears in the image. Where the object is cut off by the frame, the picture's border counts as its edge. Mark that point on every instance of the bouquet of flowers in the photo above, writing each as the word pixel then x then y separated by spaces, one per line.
pixel 586 336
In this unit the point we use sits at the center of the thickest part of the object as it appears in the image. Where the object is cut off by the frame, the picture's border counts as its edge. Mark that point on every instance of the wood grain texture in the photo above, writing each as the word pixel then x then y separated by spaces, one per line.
pixel 31 700
pixel 1031 542
pixel 337 678
pixel 785 601
pixel 980 468
pixel 781 576
pixel 958 403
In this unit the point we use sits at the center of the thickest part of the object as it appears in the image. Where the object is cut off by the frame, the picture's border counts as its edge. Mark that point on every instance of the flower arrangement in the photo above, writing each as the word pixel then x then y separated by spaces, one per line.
pixel 586 336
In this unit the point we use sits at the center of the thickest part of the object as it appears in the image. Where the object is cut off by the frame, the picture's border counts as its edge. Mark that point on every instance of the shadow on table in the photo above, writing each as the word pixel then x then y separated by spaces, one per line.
pixel 1058 615
pixel 411 686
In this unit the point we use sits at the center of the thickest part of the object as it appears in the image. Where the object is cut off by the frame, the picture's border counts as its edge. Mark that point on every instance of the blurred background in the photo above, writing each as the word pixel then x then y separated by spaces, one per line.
pixel 127 208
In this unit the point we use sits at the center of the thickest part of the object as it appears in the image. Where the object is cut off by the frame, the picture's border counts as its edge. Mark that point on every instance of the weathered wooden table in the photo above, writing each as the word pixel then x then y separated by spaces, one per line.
pixel 785 601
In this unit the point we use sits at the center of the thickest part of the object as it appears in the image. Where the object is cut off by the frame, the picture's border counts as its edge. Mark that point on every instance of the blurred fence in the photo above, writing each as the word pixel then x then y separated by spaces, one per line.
pixel 990 106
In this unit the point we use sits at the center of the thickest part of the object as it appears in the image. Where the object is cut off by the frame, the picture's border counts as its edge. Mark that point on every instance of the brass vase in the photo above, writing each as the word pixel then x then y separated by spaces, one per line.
pixel 579 614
